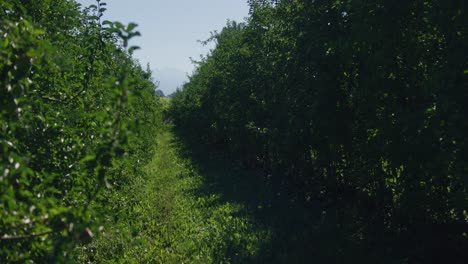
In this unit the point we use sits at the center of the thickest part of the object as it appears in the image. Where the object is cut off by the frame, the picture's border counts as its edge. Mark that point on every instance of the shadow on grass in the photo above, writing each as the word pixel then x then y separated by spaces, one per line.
pixel 297 234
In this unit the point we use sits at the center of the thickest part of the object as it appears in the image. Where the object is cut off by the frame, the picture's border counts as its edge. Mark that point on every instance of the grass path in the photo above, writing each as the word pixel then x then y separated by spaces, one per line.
pixel 192 225
pixel 172 215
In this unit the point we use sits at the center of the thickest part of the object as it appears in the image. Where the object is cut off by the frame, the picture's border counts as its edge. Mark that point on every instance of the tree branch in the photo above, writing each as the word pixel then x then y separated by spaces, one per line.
pixel 7 237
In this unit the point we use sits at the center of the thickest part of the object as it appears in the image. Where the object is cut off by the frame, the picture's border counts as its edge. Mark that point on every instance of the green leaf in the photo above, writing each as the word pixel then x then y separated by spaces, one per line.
pixel 88 158
pixel 131 27
pixel 132 49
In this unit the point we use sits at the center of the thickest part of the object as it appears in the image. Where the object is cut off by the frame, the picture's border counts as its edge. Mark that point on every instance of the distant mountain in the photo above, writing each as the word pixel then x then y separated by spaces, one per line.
pixel 169 79
pixel 160 93
pixel 172 95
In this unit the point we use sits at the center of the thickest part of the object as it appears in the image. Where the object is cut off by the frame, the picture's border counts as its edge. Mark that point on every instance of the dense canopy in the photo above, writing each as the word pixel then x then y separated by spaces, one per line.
pixel 356 109
pixel 76 113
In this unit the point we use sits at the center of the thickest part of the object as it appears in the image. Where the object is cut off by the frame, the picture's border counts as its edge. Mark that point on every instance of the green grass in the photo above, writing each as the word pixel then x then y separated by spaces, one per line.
pixel 171 215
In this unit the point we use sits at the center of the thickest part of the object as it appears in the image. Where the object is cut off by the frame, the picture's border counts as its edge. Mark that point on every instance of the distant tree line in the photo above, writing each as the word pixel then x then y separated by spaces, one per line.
pixel 358 108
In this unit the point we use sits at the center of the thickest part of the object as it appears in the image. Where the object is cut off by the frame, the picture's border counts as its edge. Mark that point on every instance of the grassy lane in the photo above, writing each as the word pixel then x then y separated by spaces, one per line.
pixel 193 226
pixel 176 217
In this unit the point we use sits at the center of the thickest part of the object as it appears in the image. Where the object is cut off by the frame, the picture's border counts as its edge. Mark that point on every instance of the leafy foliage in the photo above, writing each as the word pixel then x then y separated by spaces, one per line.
pixel 76 115
pixel 355 109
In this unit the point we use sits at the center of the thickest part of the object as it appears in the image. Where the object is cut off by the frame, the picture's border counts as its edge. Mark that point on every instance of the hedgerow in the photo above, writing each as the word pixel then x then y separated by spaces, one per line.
pixel 77 114
pixel 354 109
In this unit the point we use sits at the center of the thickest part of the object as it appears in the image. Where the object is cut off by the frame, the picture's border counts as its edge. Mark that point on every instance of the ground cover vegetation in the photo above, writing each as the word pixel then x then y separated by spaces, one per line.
pixel 173 216
pixel 354 111
pixel 77 115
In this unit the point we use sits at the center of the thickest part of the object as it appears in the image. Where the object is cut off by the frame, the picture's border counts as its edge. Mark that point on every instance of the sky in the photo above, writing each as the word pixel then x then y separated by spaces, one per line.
pixel 170 31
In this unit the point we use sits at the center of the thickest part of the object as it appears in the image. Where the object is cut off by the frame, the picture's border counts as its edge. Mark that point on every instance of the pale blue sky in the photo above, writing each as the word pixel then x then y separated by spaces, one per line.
pixel 170 30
